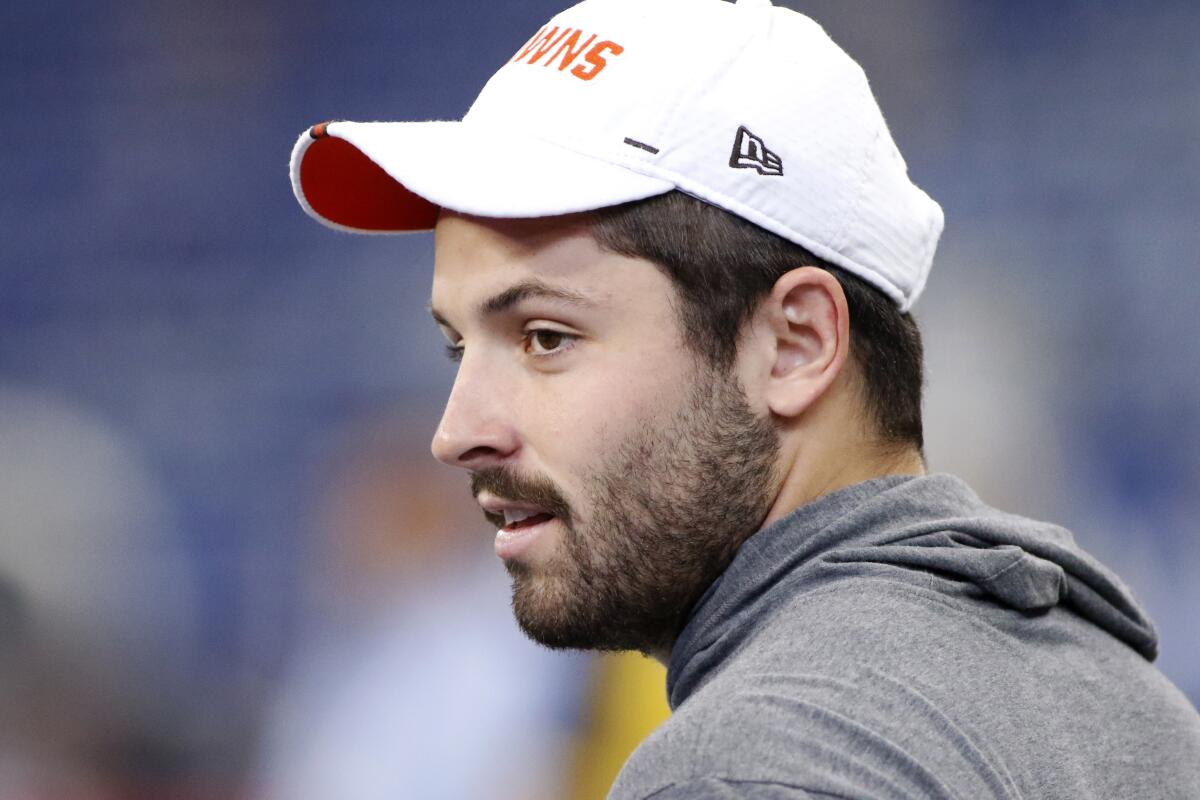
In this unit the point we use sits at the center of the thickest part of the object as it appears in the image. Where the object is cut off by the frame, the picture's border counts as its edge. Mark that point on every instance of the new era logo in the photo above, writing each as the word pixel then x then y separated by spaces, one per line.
pixel 750 152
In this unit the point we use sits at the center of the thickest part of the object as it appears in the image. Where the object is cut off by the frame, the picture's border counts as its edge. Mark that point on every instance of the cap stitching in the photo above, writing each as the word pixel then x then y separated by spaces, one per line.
pixel 854 210
pixel 667 119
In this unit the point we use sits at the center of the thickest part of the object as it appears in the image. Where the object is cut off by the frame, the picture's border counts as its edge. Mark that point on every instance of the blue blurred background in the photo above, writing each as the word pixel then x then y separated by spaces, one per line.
pixel 216 500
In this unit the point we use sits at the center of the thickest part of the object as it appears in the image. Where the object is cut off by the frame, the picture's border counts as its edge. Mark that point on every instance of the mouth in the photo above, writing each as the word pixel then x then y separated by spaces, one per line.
pixel 508 514
pixel 518 525
pixel 517 520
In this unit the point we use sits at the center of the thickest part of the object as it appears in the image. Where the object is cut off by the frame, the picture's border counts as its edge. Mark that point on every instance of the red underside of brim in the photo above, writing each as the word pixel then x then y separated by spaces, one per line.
pixel 344 186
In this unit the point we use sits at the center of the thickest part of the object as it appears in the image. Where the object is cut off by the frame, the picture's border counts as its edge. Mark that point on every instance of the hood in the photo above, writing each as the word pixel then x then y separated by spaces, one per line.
pixel 932 524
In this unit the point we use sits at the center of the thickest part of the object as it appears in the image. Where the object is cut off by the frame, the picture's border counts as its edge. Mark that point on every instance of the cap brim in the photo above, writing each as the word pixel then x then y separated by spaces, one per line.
pixel 388 177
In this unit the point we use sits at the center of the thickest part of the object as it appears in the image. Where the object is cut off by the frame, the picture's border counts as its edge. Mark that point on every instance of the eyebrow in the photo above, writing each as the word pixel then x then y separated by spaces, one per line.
pixel 517 293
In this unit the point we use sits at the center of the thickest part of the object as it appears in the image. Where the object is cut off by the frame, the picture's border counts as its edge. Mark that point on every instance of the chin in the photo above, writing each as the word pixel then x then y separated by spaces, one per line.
pixel 543 607
pixel 572 614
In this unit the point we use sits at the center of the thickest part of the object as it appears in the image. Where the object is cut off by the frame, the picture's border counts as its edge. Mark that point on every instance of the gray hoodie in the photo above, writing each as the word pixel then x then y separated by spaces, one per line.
pixel 901 639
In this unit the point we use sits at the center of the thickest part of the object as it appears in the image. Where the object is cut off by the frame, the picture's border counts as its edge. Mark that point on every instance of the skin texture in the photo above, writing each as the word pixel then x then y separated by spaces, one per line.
pixel 577 397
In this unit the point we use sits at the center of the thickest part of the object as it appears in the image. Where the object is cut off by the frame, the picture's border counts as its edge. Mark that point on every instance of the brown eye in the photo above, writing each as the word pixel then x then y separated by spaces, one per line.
pixel 547 342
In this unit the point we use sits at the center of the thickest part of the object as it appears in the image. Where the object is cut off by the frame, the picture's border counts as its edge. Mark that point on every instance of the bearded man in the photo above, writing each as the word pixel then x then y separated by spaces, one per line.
pixel 676 253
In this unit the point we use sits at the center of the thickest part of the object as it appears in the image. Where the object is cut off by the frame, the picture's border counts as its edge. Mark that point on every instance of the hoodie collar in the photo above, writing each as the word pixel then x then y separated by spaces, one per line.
pixel 932 522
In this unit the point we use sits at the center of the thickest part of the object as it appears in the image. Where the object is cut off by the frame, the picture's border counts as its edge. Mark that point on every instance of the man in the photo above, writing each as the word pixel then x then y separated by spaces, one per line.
pixel 676 249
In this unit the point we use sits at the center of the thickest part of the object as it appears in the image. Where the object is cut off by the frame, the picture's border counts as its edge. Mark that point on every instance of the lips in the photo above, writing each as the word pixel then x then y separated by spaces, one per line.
pixel 519 525
pixel 515 519
pixel 508 514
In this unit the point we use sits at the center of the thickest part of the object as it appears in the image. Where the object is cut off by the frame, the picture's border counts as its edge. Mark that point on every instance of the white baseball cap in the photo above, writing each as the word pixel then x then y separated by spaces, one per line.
pixel 747 106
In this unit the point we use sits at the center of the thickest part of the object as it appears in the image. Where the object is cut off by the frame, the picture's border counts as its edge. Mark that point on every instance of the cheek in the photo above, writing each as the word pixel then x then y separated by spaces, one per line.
pixel 582 417
pixel 569 420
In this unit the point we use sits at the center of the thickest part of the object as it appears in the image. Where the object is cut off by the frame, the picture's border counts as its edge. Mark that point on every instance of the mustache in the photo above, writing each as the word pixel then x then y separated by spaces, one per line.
pixel 531 490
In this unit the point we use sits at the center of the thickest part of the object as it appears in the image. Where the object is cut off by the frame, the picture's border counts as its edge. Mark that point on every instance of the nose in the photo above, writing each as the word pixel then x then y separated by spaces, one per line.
pixel 476 430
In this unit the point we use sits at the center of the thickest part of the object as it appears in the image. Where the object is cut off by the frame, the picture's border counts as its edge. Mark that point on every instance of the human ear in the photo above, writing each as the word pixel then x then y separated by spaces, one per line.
pixel 810 322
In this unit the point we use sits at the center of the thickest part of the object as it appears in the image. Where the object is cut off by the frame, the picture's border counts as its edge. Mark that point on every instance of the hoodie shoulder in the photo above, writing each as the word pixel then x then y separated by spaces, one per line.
pixel 901 638
pixel 810 733
pixel 878 688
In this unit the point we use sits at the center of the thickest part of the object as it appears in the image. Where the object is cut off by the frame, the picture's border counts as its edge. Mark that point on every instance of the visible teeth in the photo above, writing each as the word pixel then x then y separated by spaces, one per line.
pixel 516 516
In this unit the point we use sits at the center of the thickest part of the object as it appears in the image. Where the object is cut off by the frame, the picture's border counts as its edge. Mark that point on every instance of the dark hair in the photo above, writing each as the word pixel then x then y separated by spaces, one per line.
pixel 723 266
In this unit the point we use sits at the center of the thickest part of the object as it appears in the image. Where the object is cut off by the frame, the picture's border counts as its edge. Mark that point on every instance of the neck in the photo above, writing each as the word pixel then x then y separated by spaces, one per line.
pixel 818 468
pixel 818 471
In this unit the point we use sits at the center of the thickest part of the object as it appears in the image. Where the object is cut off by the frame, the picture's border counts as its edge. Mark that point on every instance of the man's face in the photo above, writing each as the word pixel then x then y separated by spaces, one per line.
pixel 621 471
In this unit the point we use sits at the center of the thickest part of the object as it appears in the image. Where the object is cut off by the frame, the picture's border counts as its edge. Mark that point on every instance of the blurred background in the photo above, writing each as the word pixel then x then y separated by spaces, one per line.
pixel 229 567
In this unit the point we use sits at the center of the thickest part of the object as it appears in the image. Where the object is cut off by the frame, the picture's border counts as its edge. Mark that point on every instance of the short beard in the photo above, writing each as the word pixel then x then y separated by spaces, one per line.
pixel 670 508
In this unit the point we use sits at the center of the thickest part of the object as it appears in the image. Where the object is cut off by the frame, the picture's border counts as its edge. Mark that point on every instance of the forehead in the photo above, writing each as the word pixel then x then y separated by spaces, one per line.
pixel 476 258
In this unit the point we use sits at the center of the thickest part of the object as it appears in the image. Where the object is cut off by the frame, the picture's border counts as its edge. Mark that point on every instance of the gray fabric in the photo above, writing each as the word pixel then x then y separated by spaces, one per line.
pixel 900 639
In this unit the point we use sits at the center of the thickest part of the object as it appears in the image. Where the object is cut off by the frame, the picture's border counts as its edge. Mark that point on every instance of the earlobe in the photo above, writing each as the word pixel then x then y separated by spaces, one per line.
pixel 810 323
